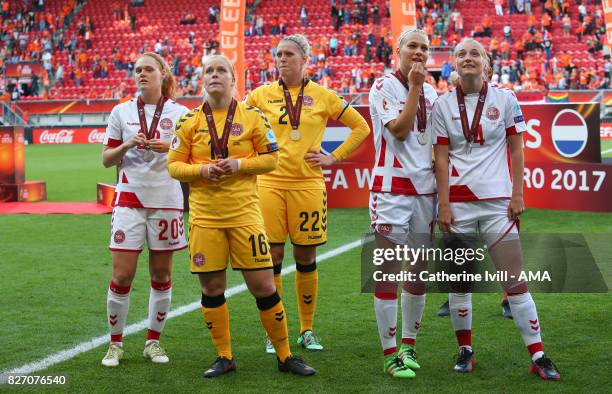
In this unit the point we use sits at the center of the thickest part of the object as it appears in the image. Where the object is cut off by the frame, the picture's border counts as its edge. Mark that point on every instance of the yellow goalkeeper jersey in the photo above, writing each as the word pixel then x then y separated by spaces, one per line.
pixel 232 201
pixel 320 104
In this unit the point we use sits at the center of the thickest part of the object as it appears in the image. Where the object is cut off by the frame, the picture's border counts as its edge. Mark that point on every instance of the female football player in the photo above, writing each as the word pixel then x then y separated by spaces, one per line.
pixel 148 203
pixel 220 148
pixel 293 196
pixel 479 172
pixel 402 198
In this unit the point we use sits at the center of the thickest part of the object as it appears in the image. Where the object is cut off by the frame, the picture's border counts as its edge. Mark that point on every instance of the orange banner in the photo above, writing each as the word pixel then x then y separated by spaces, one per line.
pixel 403 16
pixel 12 154
pixel 231 29
pixel 607 7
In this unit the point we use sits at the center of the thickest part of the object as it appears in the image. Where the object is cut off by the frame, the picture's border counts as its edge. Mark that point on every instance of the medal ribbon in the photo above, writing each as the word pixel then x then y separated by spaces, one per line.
pixel 294 112
pixel 470 132
pixel 150 133
pixel 220 147
pixel 422 110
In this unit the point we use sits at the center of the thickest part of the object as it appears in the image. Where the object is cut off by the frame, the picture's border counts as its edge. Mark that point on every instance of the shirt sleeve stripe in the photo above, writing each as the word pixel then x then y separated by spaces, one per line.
pixel 343 109
pixel 442 141
pixel 113 143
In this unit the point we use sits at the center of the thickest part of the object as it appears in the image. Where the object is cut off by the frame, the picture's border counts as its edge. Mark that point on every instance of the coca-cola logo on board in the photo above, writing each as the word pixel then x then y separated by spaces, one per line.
pixel 95 137
pixel 6 139
pixel 63 136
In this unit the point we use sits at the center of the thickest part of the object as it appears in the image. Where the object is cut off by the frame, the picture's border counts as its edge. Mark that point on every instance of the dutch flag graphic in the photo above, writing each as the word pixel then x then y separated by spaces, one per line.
pixel 333 138
pixel 569 133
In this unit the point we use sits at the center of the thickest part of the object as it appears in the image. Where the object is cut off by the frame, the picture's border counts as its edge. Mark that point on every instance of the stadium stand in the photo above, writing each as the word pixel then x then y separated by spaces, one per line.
pixel 87 48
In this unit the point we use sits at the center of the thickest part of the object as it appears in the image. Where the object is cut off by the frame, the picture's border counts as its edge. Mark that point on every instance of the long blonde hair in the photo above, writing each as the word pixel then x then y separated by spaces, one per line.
pixel 168 87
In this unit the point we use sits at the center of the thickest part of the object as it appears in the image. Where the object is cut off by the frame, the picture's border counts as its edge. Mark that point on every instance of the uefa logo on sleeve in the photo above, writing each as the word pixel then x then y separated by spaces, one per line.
pixel 569 133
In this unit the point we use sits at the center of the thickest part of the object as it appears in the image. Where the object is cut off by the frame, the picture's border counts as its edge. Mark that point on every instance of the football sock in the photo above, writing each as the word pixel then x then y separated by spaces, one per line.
pixel 272 315
pixel 385 308
pixel 117 306
pixel 278 279
pixel 306 284
pixel 460 305
pixel 160 298
pixel 412 312
pixel 216 317
pixel 526 319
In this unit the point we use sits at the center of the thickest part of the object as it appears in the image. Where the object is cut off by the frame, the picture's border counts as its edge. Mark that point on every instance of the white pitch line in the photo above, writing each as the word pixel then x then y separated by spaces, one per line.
pixel 86 346
pixel 606 151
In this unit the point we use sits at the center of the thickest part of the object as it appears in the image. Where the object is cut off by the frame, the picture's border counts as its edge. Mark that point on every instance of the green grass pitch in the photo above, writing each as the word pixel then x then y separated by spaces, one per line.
pixel 57 268
pixel 606 148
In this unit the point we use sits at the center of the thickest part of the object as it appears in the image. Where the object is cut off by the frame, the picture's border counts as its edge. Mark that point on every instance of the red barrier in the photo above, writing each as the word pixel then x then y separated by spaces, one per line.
pixel 551 180
pixel 69 135
pixel 563 132
pixel 85 106
pixel 568 186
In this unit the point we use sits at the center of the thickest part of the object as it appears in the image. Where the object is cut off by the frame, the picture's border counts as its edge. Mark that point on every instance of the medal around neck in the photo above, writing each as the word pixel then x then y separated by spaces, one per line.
pixel 148 155
pixel 422 138
pixel 295 135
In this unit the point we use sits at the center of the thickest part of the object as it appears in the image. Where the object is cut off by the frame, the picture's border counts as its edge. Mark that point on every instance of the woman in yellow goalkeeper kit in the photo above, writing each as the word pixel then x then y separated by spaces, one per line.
pixel 219 148
pixel 293 196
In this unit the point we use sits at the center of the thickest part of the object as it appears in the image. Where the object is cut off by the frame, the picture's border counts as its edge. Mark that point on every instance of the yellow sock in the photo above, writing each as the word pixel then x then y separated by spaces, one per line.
pixel 216 318
pixel 278 281
pixel 272 315
pixel 306 285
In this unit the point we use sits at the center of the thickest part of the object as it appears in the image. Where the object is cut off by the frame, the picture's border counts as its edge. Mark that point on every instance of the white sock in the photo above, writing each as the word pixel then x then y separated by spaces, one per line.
pixel 160 298
pixel 386 319
pixel 526 319
pixel 460 305
pixel 412 312
pixel 117 306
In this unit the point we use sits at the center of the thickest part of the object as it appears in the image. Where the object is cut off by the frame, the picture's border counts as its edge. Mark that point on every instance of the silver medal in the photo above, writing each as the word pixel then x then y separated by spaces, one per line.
pixel 295 135
pixel 422 138
pixel 148 155
pixel 468 148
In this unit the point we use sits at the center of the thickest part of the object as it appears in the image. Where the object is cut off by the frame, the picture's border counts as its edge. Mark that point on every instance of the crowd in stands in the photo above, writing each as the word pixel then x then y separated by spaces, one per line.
pixel 523 60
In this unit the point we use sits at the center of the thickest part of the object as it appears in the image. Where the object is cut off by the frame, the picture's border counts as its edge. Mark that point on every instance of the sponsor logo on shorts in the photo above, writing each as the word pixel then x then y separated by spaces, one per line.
pixel 236 129
pixel 119 237
pixel 315 236
pixel 165 124
pixel 266 260
pixel 199 259
pixel 492 113
pixel 384 229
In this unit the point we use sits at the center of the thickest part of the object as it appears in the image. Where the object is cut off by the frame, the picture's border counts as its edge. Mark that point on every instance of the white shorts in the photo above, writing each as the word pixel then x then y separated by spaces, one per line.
pixel 162 229
pixel 488 218
pixel 402 218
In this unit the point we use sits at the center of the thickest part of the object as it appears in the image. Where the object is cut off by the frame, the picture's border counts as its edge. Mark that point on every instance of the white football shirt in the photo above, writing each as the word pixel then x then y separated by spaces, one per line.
pixel 484 172
pixel 400 167
pixel 143 184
